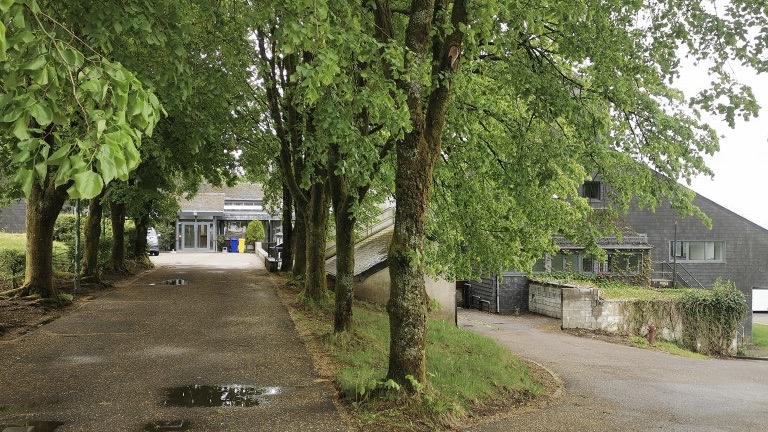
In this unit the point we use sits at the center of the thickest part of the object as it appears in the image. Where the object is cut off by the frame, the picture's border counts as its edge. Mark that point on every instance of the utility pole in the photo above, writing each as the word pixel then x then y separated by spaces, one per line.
pixel 77 245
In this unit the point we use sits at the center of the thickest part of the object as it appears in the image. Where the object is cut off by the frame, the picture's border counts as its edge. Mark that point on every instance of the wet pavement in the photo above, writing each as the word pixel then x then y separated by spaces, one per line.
pixel 201 343
pixel 610 387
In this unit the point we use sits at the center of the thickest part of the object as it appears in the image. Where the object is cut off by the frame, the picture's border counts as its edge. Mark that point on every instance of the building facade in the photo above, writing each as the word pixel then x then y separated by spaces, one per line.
pixel 222 213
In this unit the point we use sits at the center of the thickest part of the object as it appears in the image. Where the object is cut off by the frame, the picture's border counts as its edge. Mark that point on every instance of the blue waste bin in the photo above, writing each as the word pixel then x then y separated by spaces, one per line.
pixel 233 245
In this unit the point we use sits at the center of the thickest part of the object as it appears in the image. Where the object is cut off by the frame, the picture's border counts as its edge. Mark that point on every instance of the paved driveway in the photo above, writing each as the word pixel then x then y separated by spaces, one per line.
pixel 612 387
pixel 760 318
pixel 108 365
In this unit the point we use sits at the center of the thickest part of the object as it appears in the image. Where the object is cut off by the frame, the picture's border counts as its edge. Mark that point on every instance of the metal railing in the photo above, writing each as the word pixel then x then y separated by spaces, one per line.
pixel 682 277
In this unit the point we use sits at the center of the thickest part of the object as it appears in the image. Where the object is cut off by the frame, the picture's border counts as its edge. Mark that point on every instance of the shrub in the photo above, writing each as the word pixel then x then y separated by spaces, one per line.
pixel 167 233
pixel 12 265
pixel 711 318
pixel 254 232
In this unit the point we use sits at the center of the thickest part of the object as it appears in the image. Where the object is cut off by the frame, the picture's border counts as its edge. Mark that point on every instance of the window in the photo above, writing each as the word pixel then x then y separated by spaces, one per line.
pixel 587 264
pixel 625 262
pixel 697 250
pixel 591 190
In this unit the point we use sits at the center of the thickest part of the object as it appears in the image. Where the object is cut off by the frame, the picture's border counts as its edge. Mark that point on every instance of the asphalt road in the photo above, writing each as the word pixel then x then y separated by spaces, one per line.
pixel 760 318
pixel 611 387
pixel 112 364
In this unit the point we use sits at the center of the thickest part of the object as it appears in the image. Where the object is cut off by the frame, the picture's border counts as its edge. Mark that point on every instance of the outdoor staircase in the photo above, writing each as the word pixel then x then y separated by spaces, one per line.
pixel 673 275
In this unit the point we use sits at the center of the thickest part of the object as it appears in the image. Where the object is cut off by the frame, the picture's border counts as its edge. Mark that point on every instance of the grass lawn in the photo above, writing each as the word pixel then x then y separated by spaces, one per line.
pixel 466 373
pixel 12 241
pixel 760 335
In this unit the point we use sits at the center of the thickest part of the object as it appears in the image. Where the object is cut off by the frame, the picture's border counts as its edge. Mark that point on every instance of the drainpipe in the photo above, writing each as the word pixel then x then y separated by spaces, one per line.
pixel 497 289
pixel 674 258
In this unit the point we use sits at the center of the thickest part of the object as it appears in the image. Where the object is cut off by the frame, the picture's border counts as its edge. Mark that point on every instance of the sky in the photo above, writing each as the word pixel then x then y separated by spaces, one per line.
pixel 741 165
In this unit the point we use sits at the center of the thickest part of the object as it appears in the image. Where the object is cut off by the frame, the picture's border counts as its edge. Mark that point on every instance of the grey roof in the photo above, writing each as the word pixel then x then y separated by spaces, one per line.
pixel 630 239
pixel 240 191
pixel 203 202
pixel 370 254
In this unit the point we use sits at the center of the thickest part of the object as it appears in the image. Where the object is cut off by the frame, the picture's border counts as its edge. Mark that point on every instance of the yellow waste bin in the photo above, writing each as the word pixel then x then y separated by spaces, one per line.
pixel 241 245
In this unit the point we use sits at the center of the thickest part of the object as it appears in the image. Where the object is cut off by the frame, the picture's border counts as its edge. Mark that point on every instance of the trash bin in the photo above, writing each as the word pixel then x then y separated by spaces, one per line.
pixel 233 245
pixel 241 245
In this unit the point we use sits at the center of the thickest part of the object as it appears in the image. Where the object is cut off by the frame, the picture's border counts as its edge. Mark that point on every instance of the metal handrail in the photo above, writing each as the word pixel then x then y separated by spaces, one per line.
pixel 675 269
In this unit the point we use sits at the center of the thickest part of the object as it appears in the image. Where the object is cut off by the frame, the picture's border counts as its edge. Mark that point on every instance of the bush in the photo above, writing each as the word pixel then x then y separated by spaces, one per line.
pixel 254 232
pixel 167 233
pixel 64 228
pixel 711 318
pixel 12 265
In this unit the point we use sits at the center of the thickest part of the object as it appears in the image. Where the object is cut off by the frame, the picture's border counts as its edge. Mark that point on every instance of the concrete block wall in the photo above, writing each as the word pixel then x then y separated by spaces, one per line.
pixel 545 299
pixel 581 307
pixel 513 293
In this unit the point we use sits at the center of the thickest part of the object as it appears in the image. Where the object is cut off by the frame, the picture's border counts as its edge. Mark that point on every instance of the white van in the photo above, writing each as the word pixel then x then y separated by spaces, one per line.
pixel 153 242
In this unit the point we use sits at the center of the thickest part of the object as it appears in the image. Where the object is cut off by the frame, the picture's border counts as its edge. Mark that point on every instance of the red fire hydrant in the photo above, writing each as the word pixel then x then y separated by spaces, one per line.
pixel 651 334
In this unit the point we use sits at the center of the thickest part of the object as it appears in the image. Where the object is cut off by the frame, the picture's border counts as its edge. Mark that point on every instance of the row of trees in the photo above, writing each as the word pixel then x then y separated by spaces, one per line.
pixel 480 118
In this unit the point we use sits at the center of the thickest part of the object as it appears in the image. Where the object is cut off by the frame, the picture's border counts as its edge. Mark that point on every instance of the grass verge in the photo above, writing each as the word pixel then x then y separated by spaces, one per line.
pixel 469 376
pixel 760 335
pixel 666 347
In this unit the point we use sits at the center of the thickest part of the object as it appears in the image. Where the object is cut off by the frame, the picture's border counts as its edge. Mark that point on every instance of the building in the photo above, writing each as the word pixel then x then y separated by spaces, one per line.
pixel 13 219
pixel 216 214
pixel 657 246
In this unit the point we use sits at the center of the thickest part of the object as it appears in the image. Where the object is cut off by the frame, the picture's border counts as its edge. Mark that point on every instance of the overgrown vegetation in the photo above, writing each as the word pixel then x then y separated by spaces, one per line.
pixel 467 373
pixel 613 290
pixel 663 346
pixel 13 259
pixel 710 318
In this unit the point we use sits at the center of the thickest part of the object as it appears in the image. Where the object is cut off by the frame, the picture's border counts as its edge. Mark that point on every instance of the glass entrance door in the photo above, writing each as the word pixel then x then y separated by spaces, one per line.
pixel 196 236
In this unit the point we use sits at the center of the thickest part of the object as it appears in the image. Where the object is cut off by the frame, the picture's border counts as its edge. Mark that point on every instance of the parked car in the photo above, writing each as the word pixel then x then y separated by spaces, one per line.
pixel 153 242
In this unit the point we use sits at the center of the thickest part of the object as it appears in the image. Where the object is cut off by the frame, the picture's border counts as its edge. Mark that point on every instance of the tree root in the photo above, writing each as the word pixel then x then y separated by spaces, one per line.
pixel 16 292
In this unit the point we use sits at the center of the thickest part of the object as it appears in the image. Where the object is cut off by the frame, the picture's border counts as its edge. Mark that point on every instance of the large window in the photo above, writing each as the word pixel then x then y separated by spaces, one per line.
pixel 591 190
pixel 697 251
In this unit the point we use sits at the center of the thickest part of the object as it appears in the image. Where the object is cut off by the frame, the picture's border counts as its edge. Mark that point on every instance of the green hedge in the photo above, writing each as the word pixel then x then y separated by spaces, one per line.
pixel 711 317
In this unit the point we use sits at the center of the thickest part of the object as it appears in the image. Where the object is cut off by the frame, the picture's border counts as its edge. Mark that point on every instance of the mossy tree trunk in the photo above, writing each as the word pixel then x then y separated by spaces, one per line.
pixel 139 246
pixel 315 285
pixel 43 207
pixel 417 154
pixel 300 242
pixel 90 270
pixel 287 264
pixel 345 260
pixel 117 256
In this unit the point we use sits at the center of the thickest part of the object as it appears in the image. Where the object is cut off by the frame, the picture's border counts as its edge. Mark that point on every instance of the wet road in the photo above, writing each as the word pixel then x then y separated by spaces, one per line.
pixel 612 387
pixel 112 364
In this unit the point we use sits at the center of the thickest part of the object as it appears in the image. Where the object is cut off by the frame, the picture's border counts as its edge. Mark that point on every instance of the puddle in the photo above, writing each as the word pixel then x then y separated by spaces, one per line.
pixel 33 426
pixel 219 396
pixel 173 425
pixel 171 282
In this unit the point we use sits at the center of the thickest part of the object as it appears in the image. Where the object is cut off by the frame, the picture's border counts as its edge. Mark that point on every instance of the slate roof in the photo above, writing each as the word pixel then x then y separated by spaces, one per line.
pixel 370 255
pixel 240 191
pixel 203 202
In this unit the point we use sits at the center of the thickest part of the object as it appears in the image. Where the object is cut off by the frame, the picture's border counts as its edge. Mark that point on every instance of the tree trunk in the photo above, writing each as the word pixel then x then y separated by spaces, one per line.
pixel 117 217
pixel 43 207
pixel 345 264
pixel 140 242
pixel 287 264
pixel 315 285
pixel 90 271
pixel 345 244
pixel 300 243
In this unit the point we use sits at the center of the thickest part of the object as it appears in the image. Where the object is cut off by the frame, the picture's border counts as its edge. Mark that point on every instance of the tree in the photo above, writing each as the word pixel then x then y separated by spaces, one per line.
pixel 254 232
pixel 72 118
pixel 586 88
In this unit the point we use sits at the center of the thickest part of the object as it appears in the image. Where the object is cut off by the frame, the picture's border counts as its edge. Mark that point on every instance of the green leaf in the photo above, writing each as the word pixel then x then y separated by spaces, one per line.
pixel 88 184
pixel 5 5
pixel 106 166
pixel 20 128
pixel 42 114
pixel 41 169
pixel 3 43
pixel 25 178
pixel 59 154
pixel 36 64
